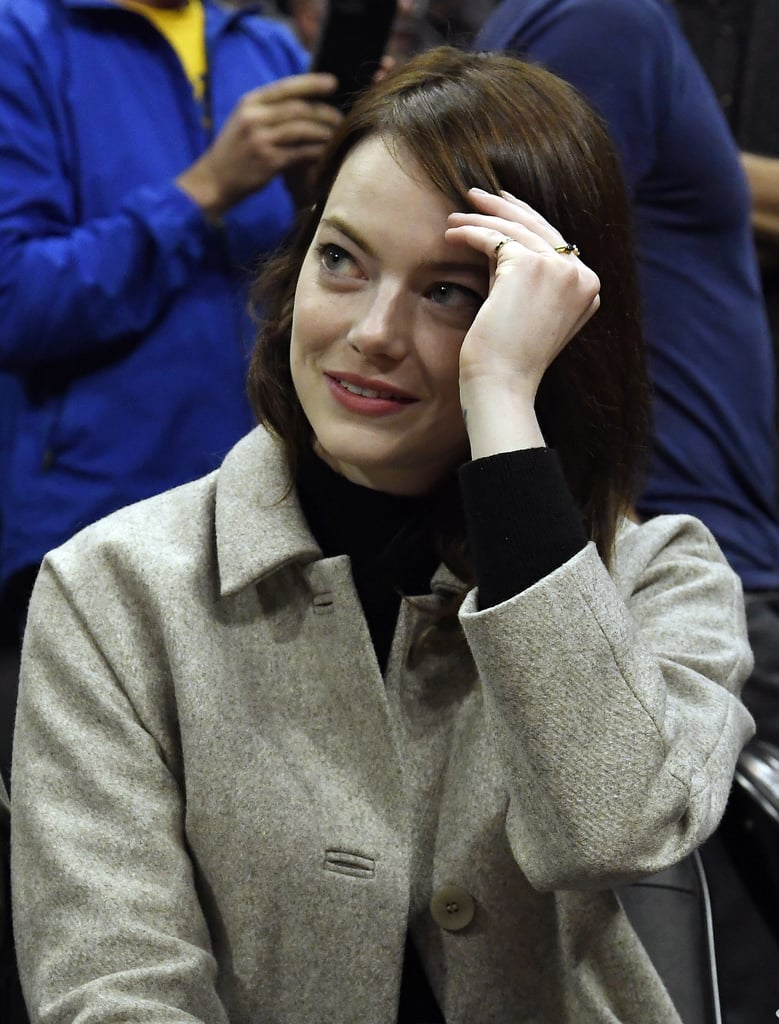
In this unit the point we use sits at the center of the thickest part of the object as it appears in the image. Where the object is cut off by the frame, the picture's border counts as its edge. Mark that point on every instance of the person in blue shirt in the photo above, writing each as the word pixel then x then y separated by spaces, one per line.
pixel 709 343
pixel 142 153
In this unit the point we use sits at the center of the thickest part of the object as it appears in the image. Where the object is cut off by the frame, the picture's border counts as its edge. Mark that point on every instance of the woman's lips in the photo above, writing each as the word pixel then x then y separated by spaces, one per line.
pixel 366 396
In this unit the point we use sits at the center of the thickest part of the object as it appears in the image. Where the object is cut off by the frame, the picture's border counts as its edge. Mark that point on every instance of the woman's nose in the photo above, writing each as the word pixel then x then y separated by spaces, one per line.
pixel 382 330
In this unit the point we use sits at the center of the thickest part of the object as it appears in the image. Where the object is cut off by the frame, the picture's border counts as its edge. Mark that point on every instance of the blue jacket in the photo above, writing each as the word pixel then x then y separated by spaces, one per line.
pixel 123 311
pixel 708 339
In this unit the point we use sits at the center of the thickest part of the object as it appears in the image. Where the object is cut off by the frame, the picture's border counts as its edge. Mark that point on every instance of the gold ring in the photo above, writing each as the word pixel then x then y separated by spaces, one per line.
pixel 568 249
pixel 500 245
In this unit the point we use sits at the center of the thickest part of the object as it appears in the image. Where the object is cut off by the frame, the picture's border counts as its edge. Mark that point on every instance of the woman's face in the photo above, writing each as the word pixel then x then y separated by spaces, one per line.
pixel 381 309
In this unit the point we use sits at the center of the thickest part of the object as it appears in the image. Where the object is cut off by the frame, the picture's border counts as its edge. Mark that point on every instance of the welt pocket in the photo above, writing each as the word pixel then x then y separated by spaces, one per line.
pixel 346 862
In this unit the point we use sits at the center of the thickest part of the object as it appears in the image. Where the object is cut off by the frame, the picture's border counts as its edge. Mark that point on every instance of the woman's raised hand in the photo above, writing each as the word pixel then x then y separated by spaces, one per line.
pixel 539 298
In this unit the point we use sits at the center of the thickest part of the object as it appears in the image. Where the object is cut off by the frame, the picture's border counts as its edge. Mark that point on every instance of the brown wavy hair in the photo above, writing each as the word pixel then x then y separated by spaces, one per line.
pixel 497 122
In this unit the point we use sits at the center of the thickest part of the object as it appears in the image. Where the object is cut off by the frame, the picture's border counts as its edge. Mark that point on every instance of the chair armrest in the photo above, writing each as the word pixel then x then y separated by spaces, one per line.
pixel 757 774
pixel 671 914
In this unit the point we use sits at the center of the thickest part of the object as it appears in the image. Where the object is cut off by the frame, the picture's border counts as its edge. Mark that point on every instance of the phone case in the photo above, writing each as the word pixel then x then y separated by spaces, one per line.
pixel 351 44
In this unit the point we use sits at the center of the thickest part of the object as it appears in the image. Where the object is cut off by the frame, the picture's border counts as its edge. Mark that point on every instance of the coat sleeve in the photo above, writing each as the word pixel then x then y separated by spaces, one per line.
pixel 614 703
pixel 117 933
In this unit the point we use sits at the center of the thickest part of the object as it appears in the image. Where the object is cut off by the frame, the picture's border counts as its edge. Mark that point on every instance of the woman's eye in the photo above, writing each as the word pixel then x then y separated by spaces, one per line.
pixel 455 296
pixel 335 259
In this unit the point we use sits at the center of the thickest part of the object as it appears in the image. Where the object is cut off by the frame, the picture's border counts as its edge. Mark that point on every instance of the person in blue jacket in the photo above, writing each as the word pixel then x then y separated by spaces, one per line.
pixel 142 152
pixel 709 343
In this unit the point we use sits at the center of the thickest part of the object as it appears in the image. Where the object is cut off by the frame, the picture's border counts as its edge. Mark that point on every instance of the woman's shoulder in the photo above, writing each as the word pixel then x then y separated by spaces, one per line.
pixel 172 533
pixel 172 520
pixel 679 543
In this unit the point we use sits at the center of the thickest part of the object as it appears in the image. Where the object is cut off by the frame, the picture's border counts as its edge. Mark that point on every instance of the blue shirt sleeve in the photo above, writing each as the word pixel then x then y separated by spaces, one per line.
pixel 66 287
pixel 73 285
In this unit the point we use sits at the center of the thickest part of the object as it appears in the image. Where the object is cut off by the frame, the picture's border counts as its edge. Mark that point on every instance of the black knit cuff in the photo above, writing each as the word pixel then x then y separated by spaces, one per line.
pixel 522 521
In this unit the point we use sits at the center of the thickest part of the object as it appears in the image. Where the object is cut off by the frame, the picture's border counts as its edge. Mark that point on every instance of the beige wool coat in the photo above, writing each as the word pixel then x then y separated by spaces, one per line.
pixel 223 812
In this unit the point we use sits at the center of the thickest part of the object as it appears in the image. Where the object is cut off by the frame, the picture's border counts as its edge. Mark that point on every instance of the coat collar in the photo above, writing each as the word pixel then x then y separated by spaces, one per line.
pixel 260 526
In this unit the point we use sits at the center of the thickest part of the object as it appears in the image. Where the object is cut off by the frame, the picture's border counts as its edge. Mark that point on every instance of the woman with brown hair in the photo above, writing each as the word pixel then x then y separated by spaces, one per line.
pixel 367 725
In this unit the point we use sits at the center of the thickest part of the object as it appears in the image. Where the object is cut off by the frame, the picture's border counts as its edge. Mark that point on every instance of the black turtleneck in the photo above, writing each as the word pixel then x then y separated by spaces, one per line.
pixel 387 537
pixel 521 520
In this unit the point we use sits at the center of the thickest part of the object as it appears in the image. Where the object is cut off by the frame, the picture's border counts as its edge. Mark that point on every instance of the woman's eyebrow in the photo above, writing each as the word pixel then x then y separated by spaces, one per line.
pixel 467 264
pixel 336 222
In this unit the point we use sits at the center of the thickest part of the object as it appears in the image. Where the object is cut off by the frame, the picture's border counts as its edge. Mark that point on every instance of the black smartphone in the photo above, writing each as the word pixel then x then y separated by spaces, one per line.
pixel 351 44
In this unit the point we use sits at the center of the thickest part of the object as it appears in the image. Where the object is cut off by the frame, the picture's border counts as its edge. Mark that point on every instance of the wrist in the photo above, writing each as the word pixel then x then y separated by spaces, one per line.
pixel 500 417
pixel 204 190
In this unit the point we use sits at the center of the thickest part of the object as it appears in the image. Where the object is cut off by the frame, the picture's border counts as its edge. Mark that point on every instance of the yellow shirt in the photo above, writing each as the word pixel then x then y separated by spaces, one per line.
pixel 184 28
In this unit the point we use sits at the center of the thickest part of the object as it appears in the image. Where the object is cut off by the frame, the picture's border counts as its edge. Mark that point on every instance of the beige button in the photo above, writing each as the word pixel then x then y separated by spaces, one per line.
pixel 452 908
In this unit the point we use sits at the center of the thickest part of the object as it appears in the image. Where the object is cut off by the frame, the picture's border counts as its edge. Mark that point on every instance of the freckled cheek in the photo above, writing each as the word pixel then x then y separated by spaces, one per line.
pixel 445 371
pixel 306 339
pixel 447 385
pixel 315 327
